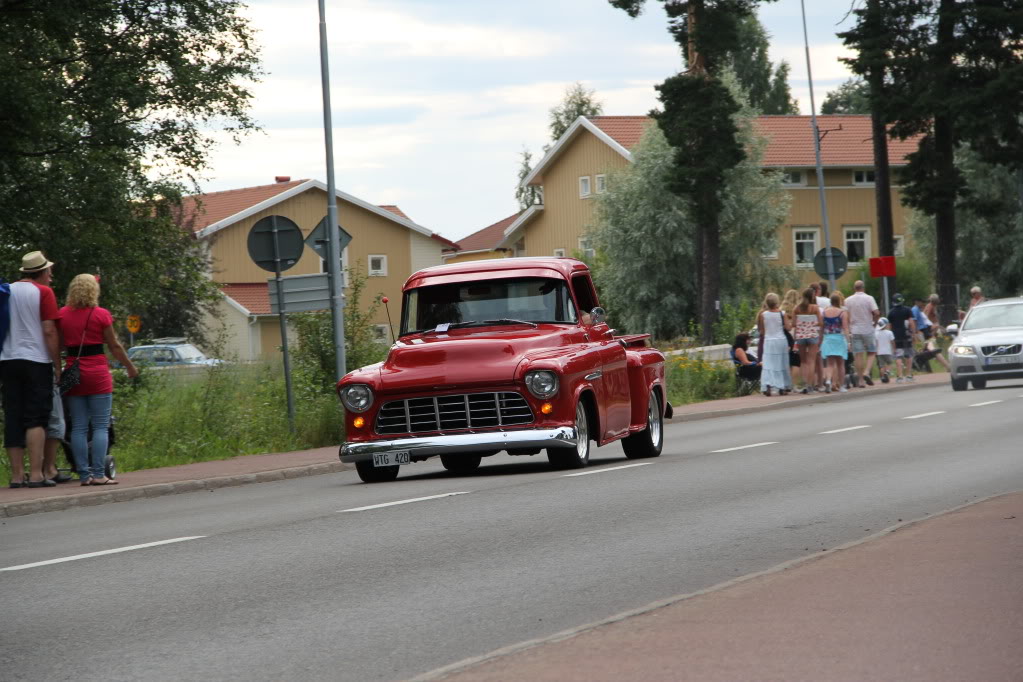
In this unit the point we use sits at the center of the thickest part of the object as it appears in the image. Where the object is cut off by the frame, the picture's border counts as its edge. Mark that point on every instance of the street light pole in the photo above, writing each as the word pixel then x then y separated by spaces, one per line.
pixel 817 154
pixel 334 241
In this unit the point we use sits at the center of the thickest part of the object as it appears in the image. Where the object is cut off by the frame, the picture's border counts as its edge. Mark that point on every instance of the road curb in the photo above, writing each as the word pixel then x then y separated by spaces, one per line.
pixel 795 400
pixel 90 499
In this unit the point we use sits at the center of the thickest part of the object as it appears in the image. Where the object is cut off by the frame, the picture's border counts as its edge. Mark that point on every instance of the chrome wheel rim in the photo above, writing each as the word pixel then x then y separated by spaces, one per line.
pixel 582 434
pixel 653 420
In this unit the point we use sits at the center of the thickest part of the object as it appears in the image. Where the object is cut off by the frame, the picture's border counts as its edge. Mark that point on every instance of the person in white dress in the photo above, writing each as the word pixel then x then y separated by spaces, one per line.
pixel 772 324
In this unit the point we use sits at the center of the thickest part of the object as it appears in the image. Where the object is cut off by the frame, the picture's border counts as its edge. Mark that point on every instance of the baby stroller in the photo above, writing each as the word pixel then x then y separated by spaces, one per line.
pixel 851 378
pixel 109 464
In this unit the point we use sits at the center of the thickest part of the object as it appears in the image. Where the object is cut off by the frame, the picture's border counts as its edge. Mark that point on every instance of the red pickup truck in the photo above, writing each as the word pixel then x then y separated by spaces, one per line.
pixel 508 355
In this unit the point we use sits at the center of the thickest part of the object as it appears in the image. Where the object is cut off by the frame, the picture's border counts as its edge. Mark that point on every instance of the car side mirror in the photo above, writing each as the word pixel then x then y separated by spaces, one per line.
pixel 952 330
pixel 598 316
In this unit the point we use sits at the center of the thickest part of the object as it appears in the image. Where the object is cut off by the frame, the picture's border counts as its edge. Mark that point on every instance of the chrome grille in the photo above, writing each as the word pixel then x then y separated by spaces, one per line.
pixel 453 412
pixel 1009 349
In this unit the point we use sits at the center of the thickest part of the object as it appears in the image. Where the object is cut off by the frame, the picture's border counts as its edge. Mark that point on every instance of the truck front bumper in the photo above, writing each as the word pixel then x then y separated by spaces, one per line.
pixel 560 437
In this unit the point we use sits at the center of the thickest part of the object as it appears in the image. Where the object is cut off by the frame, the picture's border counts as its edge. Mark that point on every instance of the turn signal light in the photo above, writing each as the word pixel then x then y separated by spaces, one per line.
pixel 546 408
pixel 358 422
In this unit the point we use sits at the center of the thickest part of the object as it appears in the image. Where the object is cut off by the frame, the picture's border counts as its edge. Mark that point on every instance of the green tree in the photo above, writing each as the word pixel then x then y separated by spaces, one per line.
pixel 108 112
pixel 956 69
pixel 851 97
pixel 527 195
pixel 766 85
pixel 578 101
pixel 650 230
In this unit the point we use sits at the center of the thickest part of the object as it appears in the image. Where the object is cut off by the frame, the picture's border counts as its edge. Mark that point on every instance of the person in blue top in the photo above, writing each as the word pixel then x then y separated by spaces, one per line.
pixel 923 325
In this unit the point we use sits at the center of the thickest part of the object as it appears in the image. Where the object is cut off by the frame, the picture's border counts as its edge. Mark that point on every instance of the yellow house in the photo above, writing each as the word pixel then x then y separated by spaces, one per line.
pixel 482 244
pixel 574 172
pixel 386 246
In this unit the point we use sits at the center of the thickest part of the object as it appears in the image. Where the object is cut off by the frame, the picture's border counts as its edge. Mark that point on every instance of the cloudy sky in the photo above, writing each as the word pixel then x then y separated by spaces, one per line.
pixel 433 100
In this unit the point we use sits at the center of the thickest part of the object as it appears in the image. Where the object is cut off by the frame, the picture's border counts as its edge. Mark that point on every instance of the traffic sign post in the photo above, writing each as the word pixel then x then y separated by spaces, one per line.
pixel 831 263
pixel 883 267
pixel 134 324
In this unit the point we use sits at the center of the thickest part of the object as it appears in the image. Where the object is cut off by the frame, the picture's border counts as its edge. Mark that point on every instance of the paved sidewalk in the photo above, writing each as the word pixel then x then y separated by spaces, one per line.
pixel 933 600
pixel 274 467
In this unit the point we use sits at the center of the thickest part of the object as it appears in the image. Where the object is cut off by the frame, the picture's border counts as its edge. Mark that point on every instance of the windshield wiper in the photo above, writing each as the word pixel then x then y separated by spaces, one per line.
pixel 508 320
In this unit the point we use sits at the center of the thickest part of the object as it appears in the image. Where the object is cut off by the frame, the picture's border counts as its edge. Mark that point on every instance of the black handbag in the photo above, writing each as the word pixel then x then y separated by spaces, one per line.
pixel 72 374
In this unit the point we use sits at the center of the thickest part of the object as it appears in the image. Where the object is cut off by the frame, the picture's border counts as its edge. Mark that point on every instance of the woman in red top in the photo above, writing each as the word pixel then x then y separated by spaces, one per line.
pixel 84 324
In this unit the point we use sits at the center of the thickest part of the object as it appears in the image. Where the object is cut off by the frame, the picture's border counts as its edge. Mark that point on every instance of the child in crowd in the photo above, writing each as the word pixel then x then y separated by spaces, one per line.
pixel 885 348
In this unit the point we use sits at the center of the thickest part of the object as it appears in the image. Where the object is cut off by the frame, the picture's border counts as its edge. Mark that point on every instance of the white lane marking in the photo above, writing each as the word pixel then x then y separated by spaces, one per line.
pixel 391 504
pixel 925 414
pixel 743 447
pixel 848 428
pixel 600 471
pixel 105 551
pixel 989 402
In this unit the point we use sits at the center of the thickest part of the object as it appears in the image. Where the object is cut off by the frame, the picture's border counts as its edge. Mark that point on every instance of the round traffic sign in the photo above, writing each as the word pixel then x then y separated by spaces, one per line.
pixel 288 240
pixel 839 260
pixel 134 323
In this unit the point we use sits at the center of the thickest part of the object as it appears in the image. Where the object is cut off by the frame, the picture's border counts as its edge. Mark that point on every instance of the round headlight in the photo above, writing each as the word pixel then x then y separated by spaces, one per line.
pixel 357 397
pixel 542 383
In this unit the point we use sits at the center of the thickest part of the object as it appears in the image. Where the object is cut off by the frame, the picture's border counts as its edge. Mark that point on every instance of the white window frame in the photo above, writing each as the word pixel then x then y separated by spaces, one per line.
pixel 795 244
pixel 344 267
pixel 865 229
pixel 864 182
pixel 585 246
pixel 771 255
pixel 899 246
pixel 600 183
pixel 382 333
pixel 378 272
pixel 585 189
pixel 559 253
pixel 787 182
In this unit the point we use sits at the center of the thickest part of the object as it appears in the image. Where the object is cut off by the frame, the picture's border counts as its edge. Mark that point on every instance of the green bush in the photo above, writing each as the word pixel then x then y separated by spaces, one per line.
pixel 693 380
pixel 915 280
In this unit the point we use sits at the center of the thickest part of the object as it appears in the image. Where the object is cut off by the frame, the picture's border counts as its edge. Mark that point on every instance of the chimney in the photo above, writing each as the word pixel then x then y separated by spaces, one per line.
pixel 282 178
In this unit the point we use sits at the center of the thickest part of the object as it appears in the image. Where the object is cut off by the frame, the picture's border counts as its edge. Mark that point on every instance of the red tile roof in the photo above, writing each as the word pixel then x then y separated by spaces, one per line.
pixel 396 211
pixel 254 297
pixel 846 140
pixel 488 237
pixel 216 206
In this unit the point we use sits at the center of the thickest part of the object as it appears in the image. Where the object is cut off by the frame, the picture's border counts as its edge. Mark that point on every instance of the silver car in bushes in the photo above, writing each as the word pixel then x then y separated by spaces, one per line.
pixel 988 345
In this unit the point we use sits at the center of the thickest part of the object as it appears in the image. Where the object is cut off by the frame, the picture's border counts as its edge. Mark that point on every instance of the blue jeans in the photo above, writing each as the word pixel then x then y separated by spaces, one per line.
pixel 90 455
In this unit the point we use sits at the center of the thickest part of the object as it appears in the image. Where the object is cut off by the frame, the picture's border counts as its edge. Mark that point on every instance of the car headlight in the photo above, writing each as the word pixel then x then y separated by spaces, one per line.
pixel 542 383
pixel 962 350
pixel 357 397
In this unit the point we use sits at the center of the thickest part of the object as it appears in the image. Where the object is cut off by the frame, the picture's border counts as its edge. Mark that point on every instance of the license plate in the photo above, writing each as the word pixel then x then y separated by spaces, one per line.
pixel 1001 360
pixel 389 459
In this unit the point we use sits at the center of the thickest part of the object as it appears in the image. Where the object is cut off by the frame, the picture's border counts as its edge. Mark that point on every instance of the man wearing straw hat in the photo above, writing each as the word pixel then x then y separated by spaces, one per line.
pixel 29 365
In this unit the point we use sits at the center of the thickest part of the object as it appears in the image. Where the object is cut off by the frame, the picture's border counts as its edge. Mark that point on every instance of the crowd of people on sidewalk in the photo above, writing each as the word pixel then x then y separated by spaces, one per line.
pixel 812 341
pixel 39 389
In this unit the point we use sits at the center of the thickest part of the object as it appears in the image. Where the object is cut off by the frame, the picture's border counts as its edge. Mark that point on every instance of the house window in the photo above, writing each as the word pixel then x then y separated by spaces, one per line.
pixel 900 245
pixel 793 177
pixel 381 333
pixel 344 268
pixel 863 177
pixel 805 245
pixel 857 244
pixel 559 253
pixel 601 182
pixel 771 254
pixel 586 248
pixel 584 186
pixel 377 266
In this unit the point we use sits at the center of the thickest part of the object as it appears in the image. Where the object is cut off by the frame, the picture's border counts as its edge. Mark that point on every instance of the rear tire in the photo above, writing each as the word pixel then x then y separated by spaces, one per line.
pixel 978 383
pixel 959 384
pixel 461 464
pixel 371 474
pixel 648 442
pixel 110 467
pixel 579 456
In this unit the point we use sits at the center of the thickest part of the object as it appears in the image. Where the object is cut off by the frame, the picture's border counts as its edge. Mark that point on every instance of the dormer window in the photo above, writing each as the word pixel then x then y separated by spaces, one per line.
pixel 863 177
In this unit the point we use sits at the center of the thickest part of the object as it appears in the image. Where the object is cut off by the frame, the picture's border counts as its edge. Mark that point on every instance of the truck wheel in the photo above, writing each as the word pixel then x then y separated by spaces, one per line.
pixel 461 464
pixel 978 383
pixel 648 442
pixel 578 457
pixel 371 474
pixel 959 384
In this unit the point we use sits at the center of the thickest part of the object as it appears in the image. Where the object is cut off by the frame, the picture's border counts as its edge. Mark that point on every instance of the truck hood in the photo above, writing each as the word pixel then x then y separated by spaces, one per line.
pixel 464 358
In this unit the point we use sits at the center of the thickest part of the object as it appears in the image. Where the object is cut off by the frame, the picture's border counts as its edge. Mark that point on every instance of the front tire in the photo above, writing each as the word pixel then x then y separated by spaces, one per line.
pixel 461 464
pixel 648 442
pixel 578 457
pixel 371 474
pixel 978 383
pixel 959 384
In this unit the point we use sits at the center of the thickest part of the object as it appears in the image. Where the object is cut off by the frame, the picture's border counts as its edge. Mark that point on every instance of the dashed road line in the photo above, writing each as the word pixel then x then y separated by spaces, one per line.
pixel 743 447
pixel 391 504
pixel 848 428
pixel 600 471
pixel 989 402
pixel 925 414
pixel 101 553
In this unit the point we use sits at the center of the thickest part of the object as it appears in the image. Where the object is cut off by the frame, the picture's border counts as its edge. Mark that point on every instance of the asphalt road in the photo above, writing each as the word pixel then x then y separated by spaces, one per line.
pixel 295 580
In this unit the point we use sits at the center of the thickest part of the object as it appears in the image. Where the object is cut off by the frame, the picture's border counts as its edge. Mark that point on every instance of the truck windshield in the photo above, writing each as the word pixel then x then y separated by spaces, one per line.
pixel 532 299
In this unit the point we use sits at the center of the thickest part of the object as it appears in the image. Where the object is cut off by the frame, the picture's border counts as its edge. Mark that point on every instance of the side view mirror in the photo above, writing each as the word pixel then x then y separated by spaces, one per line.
pixel 598 316
pixel 952 329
